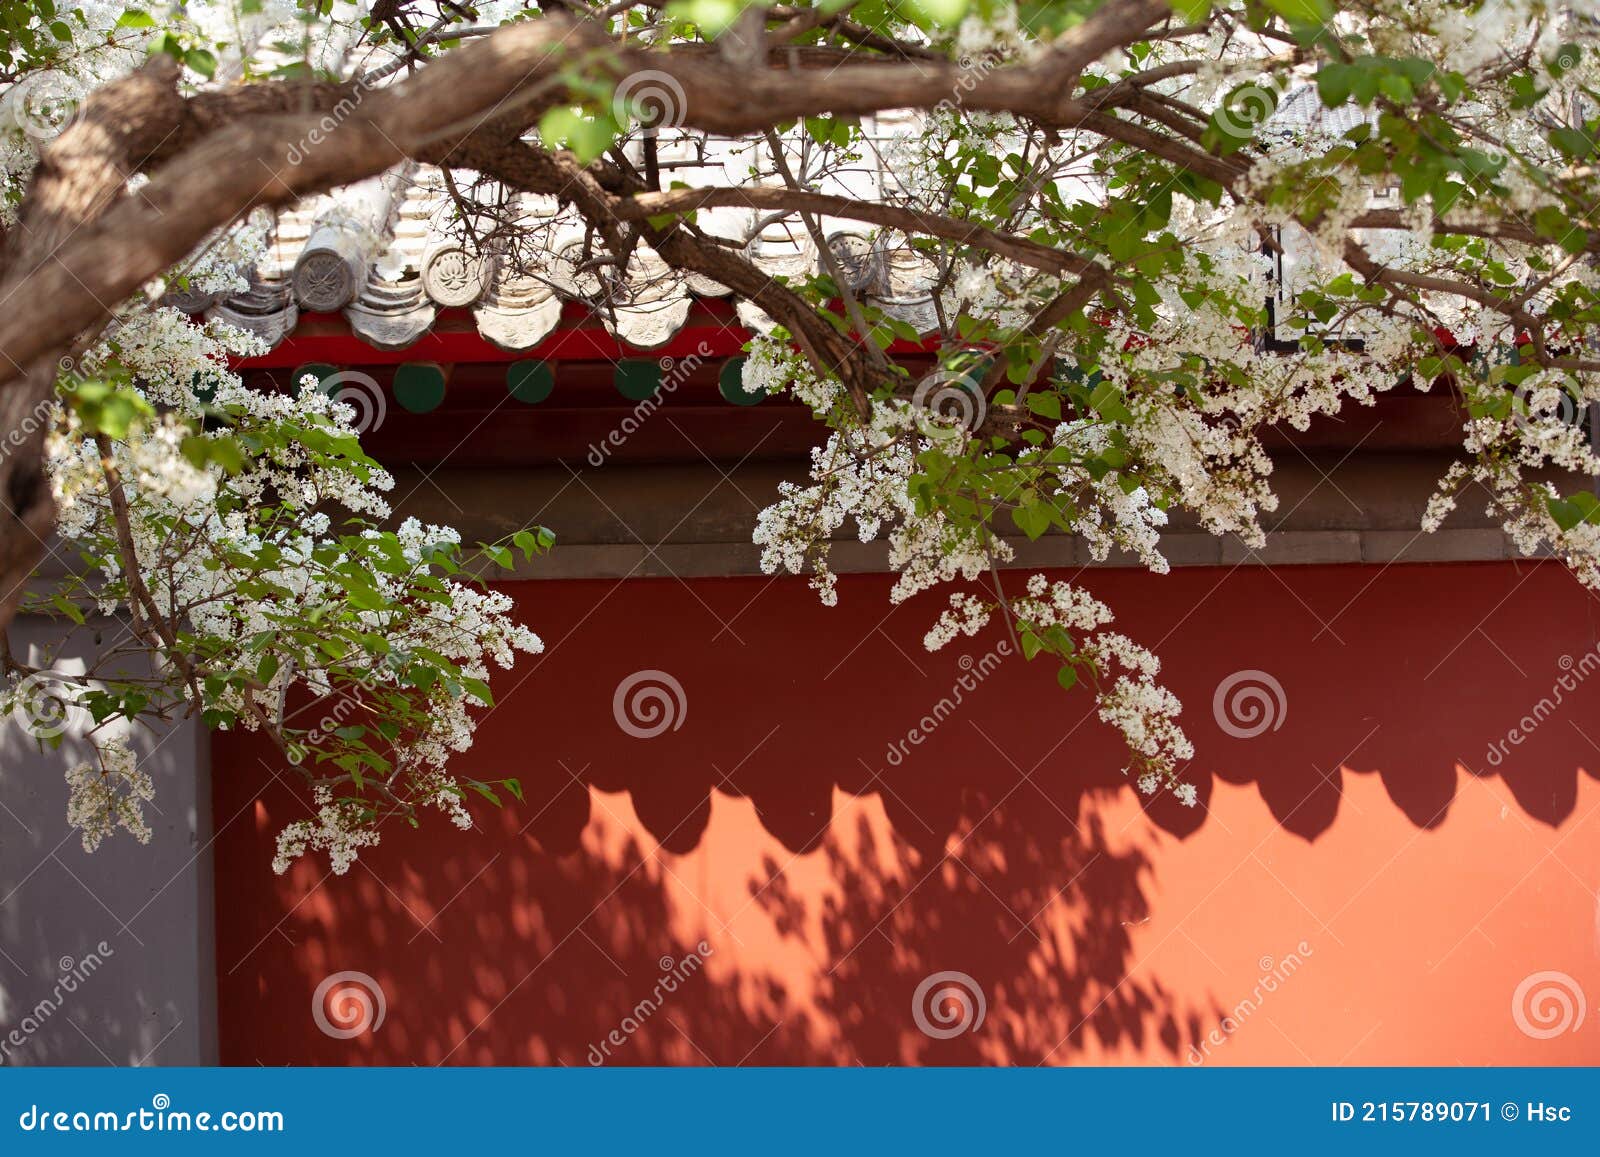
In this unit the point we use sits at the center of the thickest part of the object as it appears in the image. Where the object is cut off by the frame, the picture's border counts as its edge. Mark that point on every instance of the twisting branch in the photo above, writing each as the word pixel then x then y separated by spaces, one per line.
pixel 904 218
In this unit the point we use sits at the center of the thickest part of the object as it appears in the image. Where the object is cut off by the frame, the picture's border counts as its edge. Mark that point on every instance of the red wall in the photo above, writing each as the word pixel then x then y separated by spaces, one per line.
pixel 1416 885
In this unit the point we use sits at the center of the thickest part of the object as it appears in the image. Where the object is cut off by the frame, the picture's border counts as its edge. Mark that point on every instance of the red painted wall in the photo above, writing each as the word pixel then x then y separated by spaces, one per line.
pixel 1392 886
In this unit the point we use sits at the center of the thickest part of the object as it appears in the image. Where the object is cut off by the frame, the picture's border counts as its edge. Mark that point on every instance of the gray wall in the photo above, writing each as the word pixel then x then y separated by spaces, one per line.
pixel 149 996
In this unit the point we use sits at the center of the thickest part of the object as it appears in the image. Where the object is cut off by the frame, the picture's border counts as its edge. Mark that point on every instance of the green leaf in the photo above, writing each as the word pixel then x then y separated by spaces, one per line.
pixel 1033 519
pixel 828 130
pixel 1525 91
pixel 484 790
pixel 945 12
pixel 1107 401
pixel 713 17
pixel 1397 88
pixel 136 18
pixel 527 542
pixel 586 136
pixel 479 690
pixel 1302 11
pixel 1581 507
pixel 1575 143
pixel 1334 82
pixel 1046 405
pixel 201 61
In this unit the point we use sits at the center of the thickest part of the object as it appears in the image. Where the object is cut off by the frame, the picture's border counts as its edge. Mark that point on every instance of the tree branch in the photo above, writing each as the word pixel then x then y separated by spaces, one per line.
pixel 906 219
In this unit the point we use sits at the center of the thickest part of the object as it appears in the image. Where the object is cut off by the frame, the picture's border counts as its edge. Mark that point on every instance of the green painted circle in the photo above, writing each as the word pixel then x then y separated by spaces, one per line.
pixel 731 382
pixel 419 386
pixel 637 380
pixel 530 381
pixel 319 370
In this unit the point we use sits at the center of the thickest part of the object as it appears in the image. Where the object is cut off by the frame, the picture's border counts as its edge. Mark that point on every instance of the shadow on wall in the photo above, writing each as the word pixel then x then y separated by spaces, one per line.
pixel 104 958
pixel 503 950
pixel 760 831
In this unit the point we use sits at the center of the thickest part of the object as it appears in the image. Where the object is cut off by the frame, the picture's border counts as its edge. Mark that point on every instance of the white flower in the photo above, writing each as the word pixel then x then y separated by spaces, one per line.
pixel 108 793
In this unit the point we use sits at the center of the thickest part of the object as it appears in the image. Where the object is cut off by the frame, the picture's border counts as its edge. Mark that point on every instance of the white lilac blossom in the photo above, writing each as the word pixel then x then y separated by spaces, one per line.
pixel 1120 673
pixel 412 658
pixel 108 793
pixel 862 477
pixel 773 366
pixel 339 830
